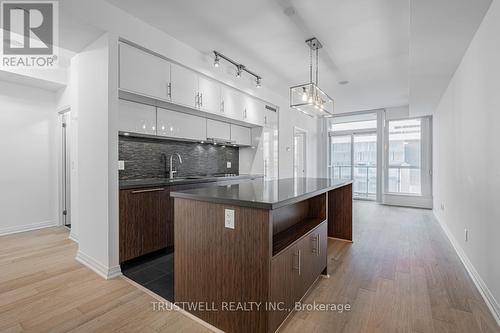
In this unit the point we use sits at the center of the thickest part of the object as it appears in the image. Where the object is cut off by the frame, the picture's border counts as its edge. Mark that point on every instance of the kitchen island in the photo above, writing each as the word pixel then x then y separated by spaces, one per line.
pixel 245 253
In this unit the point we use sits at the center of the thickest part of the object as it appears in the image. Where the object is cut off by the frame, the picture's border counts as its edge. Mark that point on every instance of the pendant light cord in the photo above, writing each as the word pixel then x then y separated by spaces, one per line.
pixel 317 65
pixel 310 65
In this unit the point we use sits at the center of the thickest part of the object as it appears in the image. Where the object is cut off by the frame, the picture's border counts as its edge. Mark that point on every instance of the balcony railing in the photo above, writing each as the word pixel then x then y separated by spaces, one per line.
pixel 364 180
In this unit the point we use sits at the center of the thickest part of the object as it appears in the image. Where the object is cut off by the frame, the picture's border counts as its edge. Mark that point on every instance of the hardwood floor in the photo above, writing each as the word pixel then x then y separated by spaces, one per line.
pixel 43 289
pixel 400 275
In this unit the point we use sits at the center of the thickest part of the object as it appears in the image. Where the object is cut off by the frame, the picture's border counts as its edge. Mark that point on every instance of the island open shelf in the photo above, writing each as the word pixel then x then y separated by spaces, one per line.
pixel 292 222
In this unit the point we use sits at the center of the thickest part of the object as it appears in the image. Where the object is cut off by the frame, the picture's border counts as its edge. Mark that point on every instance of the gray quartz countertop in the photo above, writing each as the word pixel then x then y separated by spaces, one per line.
pixel 154 182
pixel 260 193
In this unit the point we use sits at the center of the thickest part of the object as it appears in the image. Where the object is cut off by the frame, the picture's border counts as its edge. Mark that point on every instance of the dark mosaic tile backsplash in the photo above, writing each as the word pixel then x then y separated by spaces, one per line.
pixel 143 158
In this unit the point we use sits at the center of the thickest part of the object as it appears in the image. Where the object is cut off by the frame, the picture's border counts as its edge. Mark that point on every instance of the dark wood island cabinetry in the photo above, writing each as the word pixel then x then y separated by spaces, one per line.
pixel 250 251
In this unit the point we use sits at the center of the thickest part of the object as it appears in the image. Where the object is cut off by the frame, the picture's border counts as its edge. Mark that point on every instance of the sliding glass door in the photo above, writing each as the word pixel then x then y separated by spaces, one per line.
pixel 354 156
pixel 365 165
pixel 341 157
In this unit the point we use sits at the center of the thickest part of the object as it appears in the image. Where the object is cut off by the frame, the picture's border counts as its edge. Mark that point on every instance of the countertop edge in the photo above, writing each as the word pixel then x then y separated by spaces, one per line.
pixel 123 185
pixel 256 204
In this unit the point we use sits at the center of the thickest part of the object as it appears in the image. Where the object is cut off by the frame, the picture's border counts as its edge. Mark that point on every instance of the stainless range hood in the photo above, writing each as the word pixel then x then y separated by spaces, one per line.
pixel 219 141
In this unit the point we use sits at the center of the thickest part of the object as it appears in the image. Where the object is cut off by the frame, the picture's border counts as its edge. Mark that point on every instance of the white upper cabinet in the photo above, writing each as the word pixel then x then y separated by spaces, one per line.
pixel 152 76
pixel 241 135
pixel 183 86
pixel 143 73
pixel 181 125
pixel 209 98
pixel 233 104
pixel 254 111
pixel 136 118
pixel 218 130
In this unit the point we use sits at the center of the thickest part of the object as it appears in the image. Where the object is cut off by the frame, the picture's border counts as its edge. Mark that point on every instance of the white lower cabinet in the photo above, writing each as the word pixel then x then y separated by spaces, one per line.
pixel 218 130
pixel 136 118
pixel 241 135
pixel 181 125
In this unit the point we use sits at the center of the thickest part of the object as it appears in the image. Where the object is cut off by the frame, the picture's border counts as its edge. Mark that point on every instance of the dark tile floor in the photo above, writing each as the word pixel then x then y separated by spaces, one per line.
pixel 155 272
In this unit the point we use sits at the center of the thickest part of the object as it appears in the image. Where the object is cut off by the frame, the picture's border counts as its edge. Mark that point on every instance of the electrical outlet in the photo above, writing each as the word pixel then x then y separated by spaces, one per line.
pixel 229 218
pixel 121 165
pixel 466 234
pixel 229 165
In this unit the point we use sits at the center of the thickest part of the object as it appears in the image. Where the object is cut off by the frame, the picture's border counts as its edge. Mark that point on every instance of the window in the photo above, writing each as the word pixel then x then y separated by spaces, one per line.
pixel 404 156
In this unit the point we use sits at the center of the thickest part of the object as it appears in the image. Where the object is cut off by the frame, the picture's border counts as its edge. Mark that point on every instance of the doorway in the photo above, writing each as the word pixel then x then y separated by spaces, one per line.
pixel 65 174
pixel 299 153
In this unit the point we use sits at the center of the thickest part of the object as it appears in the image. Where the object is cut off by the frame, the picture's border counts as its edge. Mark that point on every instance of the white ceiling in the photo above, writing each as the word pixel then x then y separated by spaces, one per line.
pixel 441 31
pixel 365 41
pixel 393 52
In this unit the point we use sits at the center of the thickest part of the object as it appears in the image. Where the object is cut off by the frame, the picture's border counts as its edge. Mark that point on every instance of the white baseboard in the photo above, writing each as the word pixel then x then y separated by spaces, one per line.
pixel 27 227
pixel 488 297
pixel 102 270
pixel 73 236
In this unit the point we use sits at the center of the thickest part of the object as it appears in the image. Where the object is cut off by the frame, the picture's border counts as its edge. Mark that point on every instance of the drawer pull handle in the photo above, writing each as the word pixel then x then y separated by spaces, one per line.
pixel 297 268
pixel 148 190
pixel 316 250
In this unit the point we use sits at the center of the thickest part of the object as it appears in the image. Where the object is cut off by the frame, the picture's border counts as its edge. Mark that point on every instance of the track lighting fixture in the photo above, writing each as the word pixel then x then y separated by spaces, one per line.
pixel 240 68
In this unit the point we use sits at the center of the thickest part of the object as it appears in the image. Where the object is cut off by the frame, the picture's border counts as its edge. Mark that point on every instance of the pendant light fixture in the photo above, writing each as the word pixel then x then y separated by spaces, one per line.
pixel 308 98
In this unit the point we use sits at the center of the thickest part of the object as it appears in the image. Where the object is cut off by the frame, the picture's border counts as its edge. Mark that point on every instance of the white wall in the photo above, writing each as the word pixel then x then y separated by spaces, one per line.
pixel 466 156
pixel 97 146
pixel 28 167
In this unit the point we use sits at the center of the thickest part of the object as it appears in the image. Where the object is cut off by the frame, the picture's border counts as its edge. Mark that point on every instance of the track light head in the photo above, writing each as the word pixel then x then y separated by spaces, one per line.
pixel 257 82
pixel 239 69
pixel 216 60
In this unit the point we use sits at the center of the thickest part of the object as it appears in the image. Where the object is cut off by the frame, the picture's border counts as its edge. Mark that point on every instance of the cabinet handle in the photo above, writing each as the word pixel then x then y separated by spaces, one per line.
pixel 169 90
pixel 265 120
pixel 201 99
pixel 222 106
pixel 316 247
pixel 245 114
pixel 196 98
pixel 148 190
pixel 297 268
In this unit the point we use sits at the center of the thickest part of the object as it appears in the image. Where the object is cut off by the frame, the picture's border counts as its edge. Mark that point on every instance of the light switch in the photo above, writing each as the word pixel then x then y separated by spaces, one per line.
pixel 228 165
pixel 121 165
pixel 229 218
